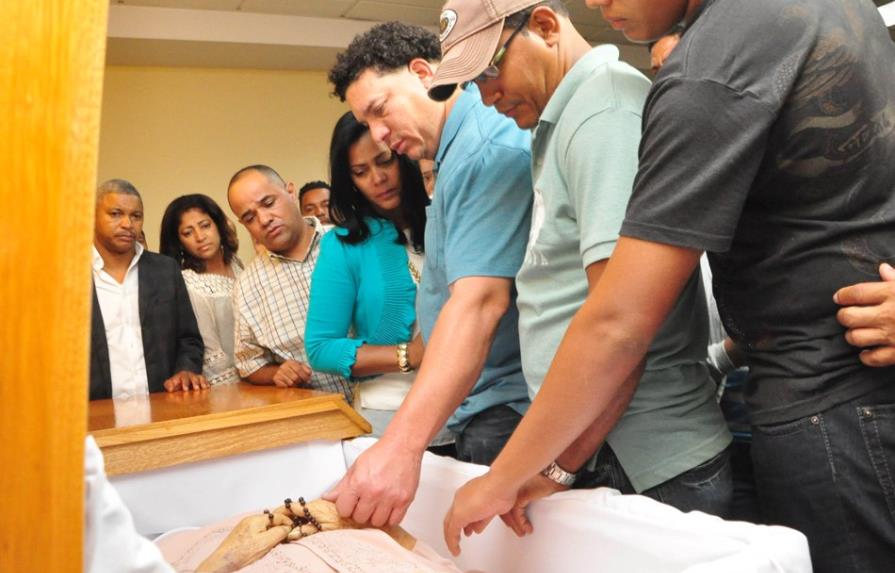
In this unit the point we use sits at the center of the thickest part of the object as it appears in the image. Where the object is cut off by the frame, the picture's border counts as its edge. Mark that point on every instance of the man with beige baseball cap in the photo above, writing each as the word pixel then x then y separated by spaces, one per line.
pixel 470 31
pixel 662 430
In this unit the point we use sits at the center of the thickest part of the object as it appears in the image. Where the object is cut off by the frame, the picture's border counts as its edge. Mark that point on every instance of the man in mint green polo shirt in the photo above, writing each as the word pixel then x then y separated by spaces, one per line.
pixel 585 108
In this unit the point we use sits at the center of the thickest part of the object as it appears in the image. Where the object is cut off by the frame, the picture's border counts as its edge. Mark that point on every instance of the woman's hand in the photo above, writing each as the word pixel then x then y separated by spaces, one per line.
pixel 250 540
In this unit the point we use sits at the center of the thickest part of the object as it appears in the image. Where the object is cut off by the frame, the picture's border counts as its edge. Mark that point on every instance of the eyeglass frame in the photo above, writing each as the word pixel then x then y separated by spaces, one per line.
pixel 492 71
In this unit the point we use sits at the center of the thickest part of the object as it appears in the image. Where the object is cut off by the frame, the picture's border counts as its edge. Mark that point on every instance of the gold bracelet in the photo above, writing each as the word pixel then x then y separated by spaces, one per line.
pixel 403 360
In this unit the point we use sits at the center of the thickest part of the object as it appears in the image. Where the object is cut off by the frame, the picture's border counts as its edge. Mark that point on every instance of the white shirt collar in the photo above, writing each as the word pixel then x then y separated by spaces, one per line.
pixel 99 263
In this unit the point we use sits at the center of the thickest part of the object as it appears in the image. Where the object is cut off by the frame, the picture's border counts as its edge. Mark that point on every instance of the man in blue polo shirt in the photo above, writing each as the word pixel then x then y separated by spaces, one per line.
pixel 476 233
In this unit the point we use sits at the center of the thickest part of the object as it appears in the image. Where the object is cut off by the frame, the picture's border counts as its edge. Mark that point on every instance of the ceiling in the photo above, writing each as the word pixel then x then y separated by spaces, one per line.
pixel 422 12
pixel 281 34
pixel 293 34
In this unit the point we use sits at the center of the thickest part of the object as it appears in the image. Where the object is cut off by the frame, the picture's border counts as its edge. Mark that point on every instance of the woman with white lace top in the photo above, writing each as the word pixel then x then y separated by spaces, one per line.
pixel 196 233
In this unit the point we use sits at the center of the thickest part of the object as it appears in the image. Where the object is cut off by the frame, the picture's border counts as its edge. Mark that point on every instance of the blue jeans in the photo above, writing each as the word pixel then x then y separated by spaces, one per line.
pixel 830 475
pixel 708 487
pixel 485 434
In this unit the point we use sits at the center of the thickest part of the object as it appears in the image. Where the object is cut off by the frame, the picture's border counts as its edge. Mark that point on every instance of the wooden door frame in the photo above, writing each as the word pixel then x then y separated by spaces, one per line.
pixel 51 73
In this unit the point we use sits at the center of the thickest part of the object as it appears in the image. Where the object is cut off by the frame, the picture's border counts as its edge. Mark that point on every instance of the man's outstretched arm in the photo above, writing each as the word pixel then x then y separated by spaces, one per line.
pixel 380 485
pixel 584 446
pixel 605 343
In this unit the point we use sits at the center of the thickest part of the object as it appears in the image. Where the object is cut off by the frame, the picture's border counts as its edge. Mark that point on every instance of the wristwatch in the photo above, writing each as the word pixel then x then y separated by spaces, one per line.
pixel 556 474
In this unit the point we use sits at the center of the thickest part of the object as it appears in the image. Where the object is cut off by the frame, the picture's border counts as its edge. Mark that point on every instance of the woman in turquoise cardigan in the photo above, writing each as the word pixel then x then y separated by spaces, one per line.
pixel 361 319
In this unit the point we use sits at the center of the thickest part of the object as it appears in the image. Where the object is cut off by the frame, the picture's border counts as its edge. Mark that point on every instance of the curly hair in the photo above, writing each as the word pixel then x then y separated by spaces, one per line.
pixel 384 47
pixel 169 237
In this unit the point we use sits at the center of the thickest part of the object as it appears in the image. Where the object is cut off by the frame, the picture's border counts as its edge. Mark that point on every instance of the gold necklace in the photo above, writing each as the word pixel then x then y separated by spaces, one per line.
pixel 413 272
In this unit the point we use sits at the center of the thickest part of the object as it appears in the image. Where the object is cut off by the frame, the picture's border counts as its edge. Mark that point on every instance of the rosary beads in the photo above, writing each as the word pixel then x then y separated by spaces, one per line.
pixel 304 519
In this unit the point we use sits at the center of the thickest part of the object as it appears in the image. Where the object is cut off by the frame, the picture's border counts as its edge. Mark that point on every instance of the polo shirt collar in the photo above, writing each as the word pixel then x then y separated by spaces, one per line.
pixel 461 108
pixel 580 72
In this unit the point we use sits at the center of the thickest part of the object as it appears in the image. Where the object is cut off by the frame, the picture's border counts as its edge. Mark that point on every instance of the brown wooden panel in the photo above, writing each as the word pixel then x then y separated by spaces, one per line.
pixel 221 442
pixel 165 406
pixel 51 67
pixel 184 427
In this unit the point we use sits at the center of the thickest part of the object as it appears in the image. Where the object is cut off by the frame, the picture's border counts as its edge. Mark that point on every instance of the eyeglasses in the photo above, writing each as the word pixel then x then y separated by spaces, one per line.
pixel 493 71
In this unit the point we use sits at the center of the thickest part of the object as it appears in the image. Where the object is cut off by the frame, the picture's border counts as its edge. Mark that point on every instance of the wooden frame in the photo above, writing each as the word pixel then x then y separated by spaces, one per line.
pixel 51 74
pixel 221 421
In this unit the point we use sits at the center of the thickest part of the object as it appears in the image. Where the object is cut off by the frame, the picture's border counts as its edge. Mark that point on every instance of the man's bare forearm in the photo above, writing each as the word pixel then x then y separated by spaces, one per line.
pixel 587 443
pixel 454 358
pixel 604 346
pixel 584 447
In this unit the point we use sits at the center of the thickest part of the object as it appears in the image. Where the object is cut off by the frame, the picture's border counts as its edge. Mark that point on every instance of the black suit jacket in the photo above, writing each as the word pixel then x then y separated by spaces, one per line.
pixel 171 339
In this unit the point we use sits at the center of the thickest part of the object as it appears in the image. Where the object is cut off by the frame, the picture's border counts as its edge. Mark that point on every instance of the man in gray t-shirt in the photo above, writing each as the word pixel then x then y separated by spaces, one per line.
pixel 788 145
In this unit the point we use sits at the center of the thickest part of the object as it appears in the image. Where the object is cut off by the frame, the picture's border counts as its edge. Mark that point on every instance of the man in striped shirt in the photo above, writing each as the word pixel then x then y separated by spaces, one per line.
pixel 270 301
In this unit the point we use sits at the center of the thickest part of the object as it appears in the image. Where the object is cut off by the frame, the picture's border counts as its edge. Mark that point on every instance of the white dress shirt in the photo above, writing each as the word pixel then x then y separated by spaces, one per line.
pixel 111 542
pixel 120 307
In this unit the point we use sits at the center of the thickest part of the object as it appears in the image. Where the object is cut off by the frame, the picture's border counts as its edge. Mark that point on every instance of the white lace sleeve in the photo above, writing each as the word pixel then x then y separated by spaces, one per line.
pixel 217 365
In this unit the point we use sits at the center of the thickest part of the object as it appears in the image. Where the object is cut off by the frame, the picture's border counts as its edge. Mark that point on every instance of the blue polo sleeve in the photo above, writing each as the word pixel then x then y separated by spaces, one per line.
pixel 488 214
pixel 330 311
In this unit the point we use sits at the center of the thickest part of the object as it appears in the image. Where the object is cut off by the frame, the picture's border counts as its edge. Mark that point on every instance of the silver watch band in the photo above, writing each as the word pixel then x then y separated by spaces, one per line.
pixel 556 474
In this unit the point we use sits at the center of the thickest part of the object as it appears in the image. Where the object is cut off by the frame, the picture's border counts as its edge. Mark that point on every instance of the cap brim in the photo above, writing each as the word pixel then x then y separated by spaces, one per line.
pixel 465 60
pixel 442 92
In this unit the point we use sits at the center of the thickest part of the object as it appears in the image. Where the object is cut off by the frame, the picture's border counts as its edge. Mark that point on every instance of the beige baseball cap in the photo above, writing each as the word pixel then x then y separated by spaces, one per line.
pixel 469 31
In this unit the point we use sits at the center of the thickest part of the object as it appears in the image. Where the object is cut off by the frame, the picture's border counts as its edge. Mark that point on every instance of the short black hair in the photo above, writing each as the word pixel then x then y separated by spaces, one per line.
pixel 385 47
pixel 348 207
pixel 265 170
pixel 122 186
pixel 169 236
pixel 310 186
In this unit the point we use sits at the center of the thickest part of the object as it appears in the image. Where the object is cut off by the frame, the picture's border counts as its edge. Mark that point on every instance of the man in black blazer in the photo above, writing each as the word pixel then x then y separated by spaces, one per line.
pixel 144 333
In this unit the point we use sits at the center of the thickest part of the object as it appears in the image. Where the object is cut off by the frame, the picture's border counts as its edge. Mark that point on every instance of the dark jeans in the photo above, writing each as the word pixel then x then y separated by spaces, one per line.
pixel 733 405
pixel 485 434
pixel 830 475
pixel 745 499
pixel 708 487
